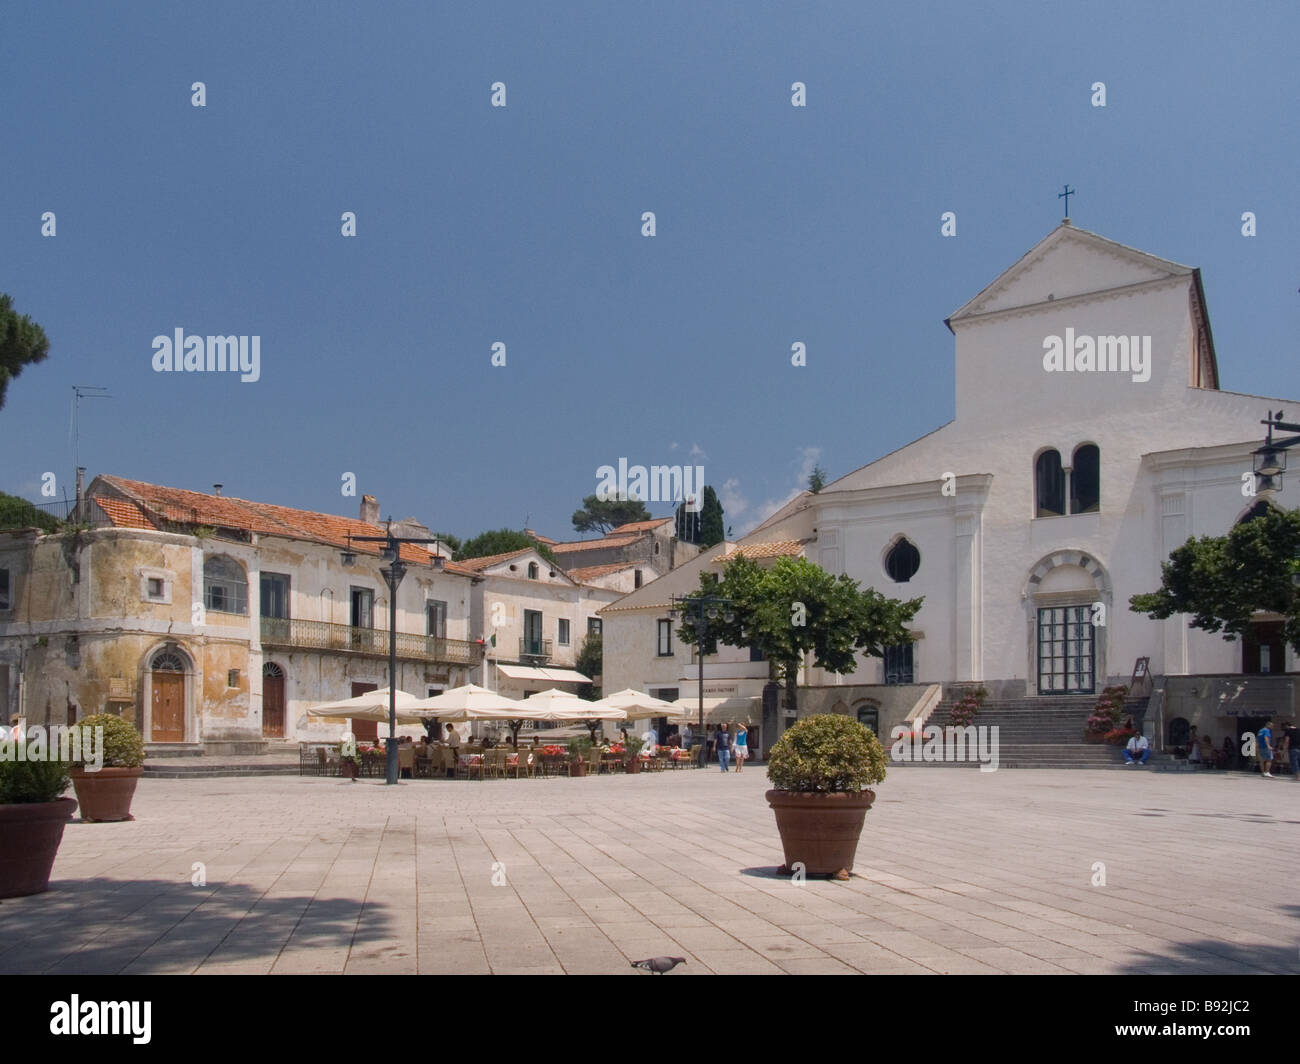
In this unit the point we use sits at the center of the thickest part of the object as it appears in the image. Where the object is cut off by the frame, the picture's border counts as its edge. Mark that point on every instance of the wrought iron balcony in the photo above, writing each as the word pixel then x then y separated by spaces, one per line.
pixel 372 642
pixel 535 648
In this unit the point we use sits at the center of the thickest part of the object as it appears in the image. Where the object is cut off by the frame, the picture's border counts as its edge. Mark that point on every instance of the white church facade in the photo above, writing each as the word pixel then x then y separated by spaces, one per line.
pixel 1090 439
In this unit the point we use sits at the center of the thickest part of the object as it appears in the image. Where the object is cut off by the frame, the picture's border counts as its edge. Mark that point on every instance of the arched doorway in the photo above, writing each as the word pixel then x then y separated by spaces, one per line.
pixel 167 702
pixel 272 701
pixel 1067 595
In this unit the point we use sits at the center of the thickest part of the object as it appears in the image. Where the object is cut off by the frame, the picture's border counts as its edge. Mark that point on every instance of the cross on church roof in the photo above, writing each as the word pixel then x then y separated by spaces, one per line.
pixel 1067 194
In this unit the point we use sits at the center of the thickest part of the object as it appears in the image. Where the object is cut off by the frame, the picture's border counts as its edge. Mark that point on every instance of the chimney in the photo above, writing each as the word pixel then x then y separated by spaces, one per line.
pixel 216 490
pixel 370 509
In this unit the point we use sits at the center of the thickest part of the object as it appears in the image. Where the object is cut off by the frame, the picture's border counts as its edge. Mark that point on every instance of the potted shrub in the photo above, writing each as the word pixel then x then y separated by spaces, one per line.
pixel 32 817
pixel 578 747
pixel 1106 714
pixel 968 706
pixel 105 791
pixel 632 753
pixel 822 769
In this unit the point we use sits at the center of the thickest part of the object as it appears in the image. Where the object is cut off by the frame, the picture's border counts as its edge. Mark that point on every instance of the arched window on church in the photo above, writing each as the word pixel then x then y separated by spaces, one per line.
pixel 1085 480
pixel 1049 485
pixel 902 561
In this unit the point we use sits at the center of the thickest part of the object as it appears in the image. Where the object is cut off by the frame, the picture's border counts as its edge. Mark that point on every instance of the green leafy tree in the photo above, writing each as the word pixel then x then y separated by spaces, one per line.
pixel 500 541
pixel 816 479
pixel 589 663
pixel 1222 581
pixel 19 513
pixel 601 515
pixel 22 343
pixel 795 608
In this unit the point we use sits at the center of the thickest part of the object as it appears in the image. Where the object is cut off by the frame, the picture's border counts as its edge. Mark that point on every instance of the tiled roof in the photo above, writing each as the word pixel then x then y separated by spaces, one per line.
pixel 162 504
pixel 640 526
pixel 780 549
pixel 123 514
pixel 540 539
pixel 591 572
pixel 639 606
pixel 595 544
pixel 479 564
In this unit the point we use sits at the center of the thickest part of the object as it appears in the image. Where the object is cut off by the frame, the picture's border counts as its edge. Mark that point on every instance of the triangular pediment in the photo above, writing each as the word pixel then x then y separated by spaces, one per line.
pixel 1068 263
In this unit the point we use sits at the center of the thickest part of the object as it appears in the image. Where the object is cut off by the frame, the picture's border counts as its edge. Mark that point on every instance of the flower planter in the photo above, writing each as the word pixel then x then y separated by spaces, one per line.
pixel 349 770
pixel 105 795
pixel 633 765
pixel 577 768
pixel 29 839
pixel 819 830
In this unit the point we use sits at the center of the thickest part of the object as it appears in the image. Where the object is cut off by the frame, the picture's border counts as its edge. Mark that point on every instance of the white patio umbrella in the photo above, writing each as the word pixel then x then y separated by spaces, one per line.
pixel 629 703
pixel 373 705
pixel 554 704
pixel 471 702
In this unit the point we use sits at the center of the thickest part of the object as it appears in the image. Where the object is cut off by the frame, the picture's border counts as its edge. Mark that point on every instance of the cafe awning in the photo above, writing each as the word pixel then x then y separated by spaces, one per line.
pixel 720 710
pixel 529 672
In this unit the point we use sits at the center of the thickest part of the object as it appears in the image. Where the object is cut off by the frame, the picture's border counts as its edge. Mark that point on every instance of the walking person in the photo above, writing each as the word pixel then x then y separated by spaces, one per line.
pixel 722 741
pixel 741 746
pixel 1291 741
pixel 1265 745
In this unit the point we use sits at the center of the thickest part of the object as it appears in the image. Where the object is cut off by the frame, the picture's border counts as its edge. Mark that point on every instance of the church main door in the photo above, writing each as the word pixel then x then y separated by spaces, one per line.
pixel 1066 652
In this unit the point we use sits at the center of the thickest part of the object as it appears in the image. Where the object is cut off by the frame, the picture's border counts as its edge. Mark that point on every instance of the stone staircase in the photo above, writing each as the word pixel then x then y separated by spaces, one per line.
pixel 1045 732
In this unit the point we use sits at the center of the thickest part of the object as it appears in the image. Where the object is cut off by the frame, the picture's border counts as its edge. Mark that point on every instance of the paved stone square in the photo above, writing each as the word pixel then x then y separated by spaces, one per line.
pixel 958 871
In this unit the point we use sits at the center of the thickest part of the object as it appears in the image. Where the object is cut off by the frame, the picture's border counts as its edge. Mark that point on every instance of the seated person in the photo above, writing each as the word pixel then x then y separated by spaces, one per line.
pixel 1137 750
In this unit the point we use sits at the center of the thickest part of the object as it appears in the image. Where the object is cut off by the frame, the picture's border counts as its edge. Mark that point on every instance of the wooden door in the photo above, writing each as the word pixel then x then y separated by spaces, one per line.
pixel 365 731
pixel 168 717
pixel 273 706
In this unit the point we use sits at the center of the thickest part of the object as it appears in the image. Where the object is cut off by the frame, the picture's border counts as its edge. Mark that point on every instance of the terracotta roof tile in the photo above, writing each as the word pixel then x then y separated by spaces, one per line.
pixel 780 549
pixel 179 505
pixel 592 572
pixel 123 514
pixel 595 544
pixel 479 564
pixel 640 526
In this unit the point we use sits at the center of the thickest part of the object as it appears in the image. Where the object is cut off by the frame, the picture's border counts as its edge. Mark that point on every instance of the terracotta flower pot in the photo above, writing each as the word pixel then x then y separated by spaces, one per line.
pixel 820 831
pixel 633 765
pixel 105 795
pixel 29 839
pixel 577 768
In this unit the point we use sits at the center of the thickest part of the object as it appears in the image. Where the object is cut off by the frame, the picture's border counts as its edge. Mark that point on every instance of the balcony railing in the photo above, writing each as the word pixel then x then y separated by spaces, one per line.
pixel 373 642
pixel 534 648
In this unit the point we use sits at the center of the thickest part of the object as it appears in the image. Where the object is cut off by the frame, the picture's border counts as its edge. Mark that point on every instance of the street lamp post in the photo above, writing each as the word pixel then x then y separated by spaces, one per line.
pixel 1270 460
pixel 392 573
pixel 703 609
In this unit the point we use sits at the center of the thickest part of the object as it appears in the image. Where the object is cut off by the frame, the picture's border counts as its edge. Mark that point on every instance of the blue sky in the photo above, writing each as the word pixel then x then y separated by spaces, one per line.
pixel 522 225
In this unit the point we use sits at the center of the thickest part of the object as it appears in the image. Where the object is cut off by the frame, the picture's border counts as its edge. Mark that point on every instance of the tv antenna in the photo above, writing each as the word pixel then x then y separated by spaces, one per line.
pixel 80 392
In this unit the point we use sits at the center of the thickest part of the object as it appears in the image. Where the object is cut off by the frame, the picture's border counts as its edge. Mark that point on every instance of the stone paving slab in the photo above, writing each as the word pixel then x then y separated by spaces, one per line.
pixel 970 873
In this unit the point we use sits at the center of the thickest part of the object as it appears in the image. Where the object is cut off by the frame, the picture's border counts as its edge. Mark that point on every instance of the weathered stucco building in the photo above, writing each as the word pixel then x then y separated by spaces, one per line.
pixel 213 623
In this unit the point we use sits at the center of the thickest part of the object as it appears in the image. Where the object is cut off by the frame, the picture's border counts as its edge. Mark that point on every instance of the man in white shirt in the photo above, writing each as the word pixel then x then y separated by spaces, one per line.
pixel 1137 750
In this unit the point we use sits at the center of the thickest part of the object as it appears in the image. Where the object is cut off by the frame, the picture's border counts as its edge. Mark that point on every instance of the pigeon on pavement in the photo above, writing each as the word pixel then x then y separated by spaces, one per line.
pixel 659 965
